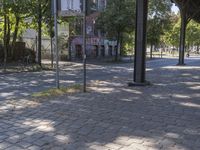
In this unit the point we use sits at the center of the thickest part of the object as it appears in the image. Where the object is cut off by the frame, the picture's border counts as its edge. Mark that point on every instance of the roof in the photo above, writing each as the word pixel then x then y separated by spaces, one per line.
pixel 192 8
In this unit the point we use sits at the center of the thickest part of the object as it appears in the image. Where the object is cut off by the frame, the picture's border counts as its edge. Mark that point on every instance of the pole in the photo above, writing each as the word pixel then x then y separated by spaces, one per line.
pixel 182 37
pixel 56 44
pixel 140 44
pixel 84 45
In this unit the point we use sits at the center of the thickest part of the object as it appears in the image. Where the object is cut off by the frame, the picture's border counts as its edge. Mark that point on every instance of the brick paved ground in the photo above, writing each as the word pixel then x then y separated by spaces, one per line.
pixel 111 116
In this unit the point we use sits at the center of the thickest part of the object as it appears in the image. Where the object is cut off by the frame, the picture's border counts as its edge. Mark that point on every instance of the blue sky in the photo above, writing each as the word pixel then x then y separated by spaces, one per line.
pixel 175 9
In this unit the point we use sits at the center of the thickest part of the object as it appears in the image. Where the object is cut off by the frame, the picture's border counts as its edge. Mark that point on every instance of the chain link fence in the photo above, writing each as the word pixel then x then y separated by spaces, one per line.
pixel 47 45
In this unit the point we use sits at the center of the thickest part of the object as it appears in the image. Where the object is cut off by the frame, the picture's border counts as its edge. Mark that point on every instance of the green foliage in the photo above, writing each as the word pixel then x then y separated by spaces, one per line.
pixel 128 43
pixel 13 9
pixel 117 21
pixel 171 36
pixel 158 20
pixel 193 33
pixel 117 17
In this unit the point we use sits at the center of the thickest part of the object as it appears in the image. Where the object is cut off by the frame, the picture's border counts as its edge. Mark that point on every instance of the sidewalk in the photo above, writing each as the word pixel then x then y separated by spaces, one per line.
pixel 111 116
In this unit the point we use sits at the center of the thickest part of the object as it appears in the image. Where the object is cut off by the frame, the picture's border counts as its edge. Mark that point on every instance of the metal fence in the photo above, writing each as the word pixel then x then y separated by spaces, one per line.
pixel 32 44
pixel 46 46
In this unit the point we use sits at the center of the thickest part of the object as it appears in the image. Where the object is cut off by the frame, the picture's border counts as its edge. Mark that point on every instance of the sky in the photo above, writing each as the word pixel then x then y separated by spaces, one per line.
pixel 175 8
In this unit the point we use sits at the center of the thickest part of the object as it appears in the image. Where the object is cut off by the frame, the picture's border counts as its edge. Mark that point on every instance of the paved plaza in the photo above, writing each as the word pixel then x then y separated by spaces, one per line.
pixel 110 116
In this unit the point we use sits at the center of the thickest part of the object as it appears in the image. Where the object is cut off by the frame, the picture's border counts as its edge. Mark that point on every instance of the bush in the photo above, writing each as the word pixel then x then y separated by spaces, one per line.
pixel 19 54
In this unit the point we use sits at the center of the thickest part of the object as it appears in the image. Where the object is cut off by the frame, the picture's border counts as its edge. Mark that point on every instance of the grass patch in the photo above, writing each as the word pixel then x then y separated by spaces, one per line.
pixel 58 92
pixel 23 68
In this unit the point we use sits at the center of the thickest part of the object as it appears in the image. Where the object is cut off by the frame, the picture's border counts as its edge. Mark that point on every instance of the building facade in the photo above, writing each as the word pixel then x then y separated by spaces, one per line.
pixel 97 45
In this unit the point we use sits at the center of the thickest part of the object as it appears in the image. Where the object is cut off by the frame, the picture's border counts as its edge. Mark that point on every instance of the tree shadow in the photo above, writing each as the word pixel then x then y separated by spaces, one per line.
pixel 111 115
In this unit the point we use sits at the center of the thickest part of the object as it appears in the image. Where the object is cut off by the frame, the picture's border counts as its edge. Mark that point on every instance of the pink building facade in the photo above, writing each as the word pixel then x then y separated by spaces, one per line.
pixel 97 45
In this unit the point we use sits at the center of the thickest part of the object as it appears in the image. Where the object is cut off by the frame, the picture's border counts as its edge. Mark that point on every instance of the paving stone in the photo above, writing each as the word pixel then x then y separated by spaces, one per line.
pixel 14 148
pixel 34 147
pixel 3 137
pixel 125 142
pixel 24 145
pixel 112 116
pixel 4 145
pixel 98 147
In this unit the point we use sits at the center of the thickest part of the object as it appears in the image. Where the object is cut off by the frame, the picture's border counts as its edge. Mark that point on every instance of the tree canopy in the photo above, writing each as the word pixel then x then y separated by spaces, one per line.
pixel 117 22
pixel 118 18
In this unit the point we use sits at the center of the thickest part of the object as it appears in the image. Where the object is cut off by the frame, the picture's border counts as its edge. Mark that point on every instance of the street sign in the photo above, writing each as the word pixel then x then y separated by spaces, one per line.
pixel 70 8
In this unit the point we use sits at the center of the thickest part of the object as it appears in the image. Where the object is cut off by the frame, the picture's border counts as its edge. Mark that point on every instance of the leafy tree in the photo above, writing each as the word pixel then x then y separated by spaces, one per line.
pixel 128 43
pixel 172 34
pixel 21 14
pixel 193 35
pixel 38 9
pixel 118 18
pixel 48 27
pixel 12 13
pixel 158 21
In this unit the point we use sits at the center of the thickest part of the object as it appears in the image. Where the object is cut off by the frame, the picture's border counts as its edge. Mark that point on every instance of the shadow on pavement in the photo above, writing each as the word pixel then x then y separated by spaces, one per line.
pixel 111 115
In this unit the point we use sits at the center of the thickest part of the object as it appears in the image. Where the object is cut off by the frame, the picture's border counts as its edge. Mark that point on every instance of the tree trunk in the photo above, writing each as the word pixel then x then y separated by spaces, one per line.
pixel 69 49
pixel 118 42
pixel 69 43
pixel 8 35
pixel 39 52
pixel 121 44
pixel 51 52
pixel 5 40
pixel 51 38
pixel 197 49
pixel 151 51
pixel 15 35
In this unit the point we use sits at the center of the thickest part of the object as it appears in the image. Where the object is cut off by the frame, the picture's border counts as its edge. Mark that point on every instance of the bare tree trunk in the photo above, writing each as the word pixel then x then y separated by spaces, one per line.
pixel 52 52
pixel 15 35
pixel 51 38
pixel 118 42
pixel 5 40
pixel 151 51
pixel 69 49
pixel 197 49
pixel 8 35
pixel 69 43
pixel 121 44
pixel 39 54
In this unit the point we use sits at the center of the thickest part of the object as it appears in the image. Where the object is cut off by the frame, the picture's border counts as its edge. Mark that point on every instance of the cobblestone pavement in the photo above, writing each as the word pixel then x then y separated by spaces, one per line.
pixel 17 85
pixel 111 116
